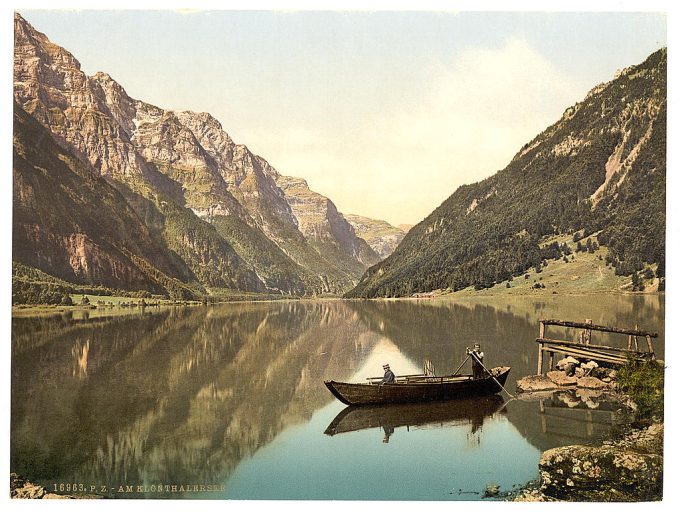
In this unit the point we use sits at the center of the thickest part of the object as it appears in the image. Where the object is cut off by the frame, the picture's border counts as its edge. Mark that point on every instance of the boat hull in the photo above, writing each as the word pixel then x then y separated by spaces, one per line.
pixel 423 390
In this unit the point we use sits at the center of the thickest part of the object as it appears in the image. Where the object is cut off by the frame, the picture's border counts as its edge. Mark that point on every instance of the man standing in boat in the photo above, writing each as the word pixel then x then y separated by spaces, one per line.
pixel 477 360
pixel 388 378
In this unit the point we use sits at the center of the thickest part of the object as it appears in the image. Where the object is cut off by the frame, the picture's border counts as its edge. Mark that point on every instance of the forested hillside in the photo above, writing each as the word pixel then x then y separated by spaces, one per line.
pixel 599 171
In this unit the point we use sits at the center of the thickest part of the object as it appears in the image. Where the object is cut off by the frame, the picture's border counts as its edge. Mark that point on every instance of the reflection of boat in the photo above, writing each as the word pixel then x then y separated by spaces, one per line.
pixel 418 388
pixel 389 417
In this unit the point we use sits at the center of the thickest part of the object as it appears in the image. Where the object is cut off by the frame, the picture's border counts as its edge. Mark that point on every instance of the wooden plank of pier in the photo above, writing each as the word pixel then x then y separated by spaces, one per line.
pixel 579 352
pixel 548 341
pixel 600 328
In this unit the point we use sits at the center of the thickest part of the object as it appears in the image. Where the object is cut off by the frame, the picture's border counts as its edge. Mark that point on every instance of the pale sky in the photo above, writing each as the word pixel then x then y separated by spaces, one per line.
pixel 386 113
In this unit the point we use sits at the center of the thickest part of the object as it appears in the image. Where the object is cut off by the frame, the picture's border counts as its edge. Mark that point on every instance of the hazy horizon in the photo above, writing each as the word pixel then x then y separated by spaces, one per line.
pixel 385 113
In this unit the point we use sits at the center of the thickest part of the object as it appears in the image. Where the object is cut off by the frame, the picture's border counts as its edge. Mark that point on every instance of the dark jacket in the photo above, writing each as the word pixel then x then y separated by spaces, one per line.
pixel 388 377
pixel 478 371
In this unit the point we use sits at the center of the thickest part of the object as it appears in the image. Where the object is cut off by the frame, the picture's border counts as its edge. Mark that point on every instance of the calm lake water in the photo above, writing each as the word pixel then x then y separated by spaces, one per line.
pixel 233 396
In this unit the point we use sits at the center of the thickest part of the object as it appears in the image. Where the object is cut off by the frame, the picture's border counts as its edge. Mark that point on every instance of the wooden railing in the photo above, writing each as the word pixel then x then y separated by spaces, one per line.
pixel 584 349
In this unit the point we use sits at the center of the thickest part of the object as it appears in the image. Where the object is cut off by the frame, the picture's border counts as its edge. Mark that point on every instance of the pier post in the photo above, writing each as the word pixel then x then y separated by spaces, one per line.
pixel 588 333
pixel 540 348
pixel 649 346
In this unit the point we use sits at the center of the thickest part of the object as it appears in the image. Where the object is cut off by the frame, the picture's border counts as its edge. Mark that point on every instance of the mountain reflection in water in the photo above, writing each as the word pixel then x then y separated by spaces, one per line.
pixel 201 395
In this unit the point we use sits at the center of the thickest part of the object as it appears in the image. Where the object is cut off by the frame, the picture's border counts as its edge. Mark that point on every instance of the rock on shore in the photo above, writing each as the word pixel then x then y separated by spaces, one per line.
pixel 630 469
pixel 597 378
pixel 533 383
pixel 20 488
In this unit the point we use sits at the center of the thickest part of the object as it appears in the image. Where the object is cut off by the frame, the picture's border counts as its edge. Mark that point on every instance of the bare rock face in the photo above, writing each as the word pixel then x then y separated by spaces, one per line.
pixel 629 470
pixel 161 139
pixel 70 221
pixel 381 236
pixel 49 85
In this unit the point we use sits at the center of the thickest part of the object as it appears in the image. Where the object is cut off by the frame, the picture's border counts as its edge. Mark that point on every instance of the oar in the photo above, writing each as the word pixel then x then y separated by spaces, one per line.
pixel 491 375
pixel 461 365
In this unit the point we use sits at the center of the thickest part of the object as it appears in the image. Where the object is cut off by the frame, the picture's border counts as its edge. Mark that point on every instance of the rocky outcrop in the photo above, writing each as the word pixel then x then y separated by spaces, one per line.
pixel 570 373
pixel 381 236
pixel 561 379
pixel 592 383
pixel 630 469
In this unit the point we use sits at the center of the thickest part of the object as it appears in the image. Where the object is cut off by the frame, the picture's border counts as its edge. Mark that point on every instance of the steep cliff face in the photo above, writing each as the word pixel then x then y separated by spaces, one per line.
pixel 180 171
pixel 381 236
pixel 599 170
pixel 69 221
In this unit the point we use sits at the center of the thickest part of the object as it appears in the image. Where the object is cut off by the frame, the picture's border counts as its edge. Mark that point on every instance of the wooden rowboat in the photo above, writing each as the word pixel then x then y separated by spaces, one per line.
pixel 418 388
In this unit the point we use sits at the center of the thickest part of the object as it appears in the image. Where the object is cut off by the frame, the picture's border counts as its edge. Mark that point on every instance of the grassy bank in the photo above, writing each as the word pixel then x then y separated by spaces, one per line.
pixel 580 273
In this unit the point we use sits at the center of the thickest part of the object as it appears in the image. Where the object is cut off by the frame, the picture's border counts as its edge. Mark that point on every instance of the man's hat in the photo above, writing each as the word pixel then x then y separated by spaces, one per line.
pixel 386 366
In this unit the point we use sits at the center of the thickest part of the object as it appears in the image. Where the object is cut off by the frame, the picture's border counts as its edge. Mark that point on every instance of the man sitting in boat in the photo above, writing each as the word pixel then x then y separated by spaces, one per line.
pixel 477 360
pixel 388 378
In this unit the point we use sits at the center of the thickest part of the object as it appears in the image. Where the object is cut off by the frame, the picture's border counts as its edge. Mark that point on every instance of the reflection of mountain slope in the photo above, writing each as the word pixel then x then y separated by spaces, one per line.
pixel 441 332
pixel 48 430
pixel 179 397
pixel 185 395
pixel 505 328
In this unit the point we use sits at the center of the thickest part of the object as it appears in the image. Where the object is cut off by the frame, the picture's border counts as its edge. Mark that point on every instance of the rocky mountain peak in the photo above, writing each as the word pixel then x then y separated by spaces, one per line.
pixel 28 41
pixel 121 106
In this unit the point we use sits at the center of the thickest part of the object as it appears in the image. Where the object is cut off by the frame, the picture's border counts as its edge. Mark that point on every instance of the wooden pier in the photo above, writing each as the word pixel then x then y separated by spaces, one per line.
pixel 584 349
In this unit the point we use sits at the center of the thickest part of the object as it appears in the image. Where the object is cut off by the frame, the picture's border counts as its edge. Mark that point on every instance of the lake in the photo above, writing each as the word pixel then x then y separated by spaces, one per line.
pixel 232 397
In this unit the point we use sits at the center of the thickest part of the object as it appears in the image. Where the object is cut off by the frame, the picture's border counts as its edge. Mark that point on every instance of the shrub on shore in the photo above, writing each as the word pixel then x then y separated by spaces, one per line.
pixel 643 382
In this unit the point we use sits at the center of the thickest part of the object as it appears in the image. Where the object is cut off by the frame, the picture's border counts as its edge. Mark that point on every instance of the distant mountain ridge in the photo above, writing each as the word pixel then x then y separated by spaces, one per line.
pixel 600 171
pixel 219 209
pixel 380 235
